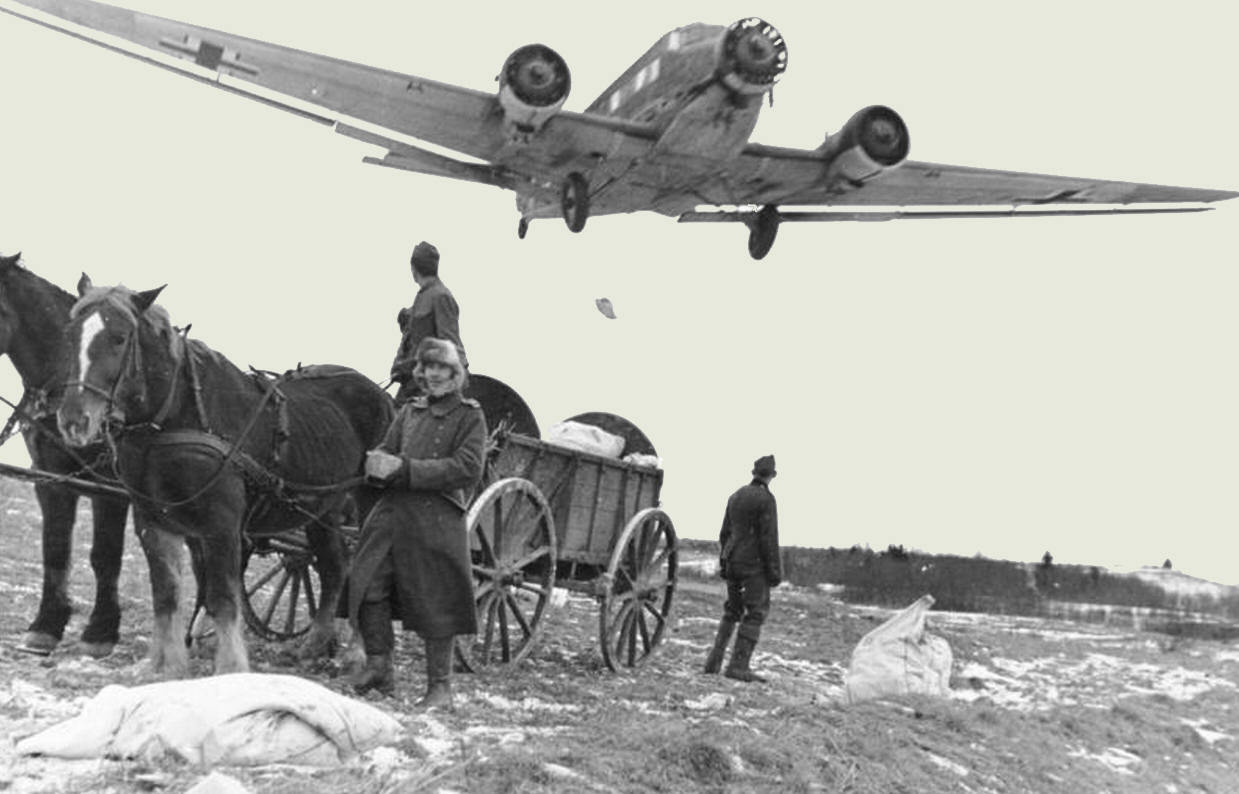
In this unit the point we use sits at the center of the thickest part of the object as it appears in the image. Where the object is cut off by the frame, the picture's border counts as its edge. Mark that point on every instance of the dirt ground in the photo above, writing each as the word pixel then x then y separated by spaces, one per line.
pixel 1036 705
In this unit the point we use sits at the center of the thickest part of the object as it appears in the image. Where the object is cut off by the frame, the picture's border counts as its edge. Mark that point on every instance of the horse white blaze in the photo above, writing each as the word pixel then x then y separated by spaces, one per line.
pixel 90 329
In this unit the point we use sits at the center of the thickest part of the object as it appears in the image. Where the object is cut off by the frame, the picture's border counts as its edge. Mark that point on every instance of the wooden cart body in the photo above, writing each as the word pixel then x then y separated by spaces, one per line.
pixel 591 498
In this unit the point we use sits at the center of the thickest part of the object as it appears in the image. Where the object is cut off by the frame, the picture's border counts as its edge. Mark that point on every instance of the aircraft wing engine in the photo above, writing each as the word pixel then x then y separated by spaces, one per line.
pixel 533 85
pixel 751 56
pixel 873 140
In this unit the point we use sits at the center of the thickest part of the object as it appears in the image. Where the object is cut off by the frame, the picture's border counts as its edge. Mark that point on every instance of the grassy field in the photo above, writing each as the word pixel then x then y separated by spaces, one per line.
pixel 1037 705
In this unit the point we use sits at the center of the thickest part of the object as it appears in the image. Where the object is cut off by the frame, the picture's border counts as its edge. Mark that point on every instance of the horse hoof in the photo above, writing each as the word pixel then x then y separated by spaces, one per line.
pixel 38 643
pixel 98 650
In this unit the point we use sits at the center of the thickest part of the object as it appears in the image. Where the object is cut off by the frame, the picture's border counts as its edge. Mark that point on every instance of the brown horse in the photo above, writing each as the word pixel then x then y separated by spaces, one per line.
pixel 208 452
pixel 33 316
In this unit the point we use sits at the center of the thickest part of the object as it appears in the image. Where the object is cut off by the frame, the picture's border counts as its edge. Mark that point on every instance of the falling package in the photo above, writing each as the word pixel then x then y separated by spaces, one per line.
pixel 586 438
pixel 899 658
pixel 240 719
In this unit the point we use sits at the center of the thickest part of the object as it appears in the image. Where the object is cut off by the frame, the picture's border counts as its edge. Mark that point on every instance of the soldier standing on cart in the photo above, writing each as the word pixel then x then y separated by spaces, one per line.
pixel 434 313
pixel 749 561
pixel 413 560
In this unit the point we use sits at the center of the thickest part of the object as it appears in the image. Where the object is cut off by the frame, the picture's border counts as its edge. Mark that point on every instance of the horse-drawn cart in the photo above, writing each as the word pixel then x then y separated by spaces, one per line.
pixel 547 517
pixel 559 517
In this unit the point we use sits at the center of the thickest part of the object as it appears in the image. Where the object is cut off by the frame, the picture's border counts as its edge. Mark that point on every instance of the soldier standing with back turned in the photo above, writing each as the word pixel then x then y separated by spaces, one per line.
pixel 749 561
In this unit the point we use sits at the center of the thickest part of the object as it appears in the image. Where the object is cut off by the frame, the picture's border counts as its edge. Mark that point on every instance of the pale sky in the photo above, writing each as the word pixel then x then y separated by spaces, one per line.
pixel 967 386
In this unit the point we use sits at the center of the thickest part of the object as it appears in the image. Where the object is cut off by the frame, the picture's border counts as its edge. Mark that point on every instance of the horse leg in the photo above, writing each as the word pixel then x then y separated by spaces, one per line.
pixel 102 631
pixel 59 508
pixel 221 586
pixel 200 625
pixel 329 552
pixel 163 549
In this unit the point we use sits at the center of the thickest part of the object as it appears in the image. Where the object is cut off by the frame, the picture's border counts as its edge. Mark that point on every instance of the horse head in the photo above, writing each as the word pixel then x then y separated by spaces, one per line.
pixel 118 344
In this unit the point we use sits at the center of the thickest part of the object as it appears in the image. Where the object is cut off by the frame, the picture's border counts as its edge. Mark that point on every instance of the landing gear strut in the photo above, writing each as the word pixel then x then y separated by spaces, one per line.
pixel 762 231
pixel 575 201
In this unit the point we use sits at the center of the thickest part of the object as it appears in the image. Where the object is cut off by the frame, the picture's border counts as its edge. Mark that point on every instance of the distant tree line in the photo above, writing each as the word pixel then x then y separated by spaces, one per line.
pixel 896 577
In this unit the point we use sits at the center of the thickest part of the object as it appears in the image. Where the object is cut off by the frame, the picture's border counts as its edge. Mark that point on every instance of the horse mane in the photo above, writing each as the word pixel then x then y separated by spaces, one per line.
pixel 35 291
pixel 155 319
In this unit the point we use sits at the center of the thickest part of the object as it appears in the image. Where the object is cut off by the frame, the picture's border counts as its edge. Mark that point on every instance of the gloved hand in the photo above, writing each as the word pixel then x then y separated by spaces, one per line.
pixel 773 579
pixel 384 468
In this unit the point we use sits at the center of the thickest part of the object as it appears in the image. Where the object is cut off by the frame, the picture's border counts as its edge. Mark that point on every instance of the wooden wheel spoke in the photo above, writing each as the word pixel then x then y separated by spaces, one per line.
pixel 505 640
pixel 536 589
pixel 630 634
pixel 619 623
pixel 487 547
pixel 627 578
pixel 291 618
pixel 649 608
pixel 262 580
pixel 488 635
pixel 526 629
pixel 497 528
pixel 482 589
pixel 275 599
pixel 532 557
pixel 483 572
pixel 311 601
pixel 652 549
pixel 644 630
pixel 661 559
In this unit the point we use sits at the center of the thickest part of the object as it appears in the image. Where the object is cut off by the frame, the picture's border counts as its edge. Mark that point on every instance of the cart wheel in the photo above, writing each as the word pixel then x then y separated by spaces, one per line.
pixel 281 586
pixel 512 540
pixel 637 589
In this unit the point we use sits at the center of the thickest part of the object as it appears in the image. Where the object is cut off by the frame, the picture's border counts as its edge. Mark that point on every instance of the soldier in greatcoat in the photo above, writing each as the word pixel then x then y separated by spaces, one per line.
pixel 413 561
pixel 749 560
pixel 434 313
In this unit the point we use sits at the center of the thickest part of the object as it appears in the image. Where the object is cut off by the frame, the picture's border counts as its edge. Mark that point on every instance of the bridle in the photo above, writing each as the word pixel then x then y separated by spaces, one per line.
pixel 132 366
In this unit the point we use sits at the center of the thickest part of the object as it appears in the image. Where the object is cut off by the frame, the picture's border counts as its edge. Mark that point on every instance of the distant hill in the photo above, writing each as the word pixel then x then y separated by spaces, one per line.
pixel 1179 583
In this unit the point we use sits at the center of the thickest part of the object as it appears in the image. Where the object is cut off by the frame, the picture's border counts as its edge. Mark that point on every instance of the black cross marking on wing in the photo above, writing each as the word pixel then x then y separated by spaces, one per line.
pixel 208 54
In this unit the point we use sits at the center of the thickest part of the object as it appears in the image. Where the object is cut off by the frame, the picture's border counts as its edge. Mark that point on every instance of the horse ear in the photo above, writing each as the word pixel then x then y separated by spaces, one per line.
pixel 83 285
pixel 143 300
pixel 10 260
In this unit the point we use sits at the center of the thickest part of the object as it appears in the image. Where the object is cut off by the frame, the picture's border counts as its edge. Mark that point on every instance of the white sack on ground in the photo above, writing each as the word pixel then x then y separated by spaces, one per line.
pixel 900 658
pixel 586 438
pixel 241 719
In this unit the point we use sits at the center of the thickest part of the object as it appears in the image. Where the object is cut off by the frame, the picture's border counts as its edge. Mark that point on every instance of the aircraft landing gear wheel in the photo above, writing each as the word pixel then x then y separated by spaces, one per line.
pixel 522 228
pixel 763 230
pixel 575 201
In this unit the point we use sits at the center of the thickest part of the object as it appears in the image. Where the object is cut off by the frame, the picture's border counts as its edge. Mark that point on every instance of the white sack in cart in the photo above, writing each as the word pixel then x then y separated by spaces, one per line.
pixel 899 658
pixel 586 438
pixel 242 719
pixel 648 461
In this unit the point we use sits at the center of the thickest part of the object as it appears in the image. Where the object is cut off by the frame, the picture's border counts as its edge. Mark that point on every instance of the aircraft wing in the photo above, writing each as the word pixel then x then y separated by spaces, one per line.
pixel 794 177
pixel 461 119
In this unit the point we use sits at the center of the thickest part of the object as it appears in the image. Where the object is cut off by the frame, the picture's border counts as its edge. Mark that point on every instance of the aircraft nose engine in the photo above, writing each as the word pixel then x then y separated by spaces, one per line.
pixel 533 85
pixel 752 56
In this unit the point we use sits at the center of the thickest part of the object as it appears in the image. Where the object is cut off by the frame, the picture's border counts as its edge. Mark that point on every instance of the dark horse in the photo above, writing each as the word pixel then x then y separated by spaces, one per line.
pixel 210 454
pixel 33 317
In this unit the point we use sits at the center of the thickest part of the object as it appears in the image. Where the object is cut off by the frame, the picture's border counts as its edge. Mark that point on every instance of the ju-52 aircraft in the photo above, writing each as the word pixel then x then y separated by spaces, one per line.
pixel 671 135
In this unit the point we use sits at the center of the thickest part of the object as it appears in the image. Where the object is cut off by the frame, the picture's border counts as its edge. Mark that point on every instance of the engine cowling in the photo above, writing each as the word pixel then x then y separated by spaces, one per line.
pixel 752 56
pixel 873 140
pixel 533 85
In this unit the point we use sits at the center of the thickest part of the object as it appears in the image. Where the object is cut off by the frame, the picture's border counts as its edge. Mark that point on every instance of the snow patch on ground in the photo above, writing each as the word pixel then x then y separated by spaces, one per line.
pixel 1035 684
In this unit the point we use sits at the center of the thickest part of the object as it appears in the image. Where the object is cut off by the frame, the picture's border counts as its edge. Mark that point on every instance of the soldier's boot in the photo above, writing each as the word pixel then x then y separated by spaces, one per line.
pixel 738 667
pixel 438 673
pixel 378 638
pixel 721 640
